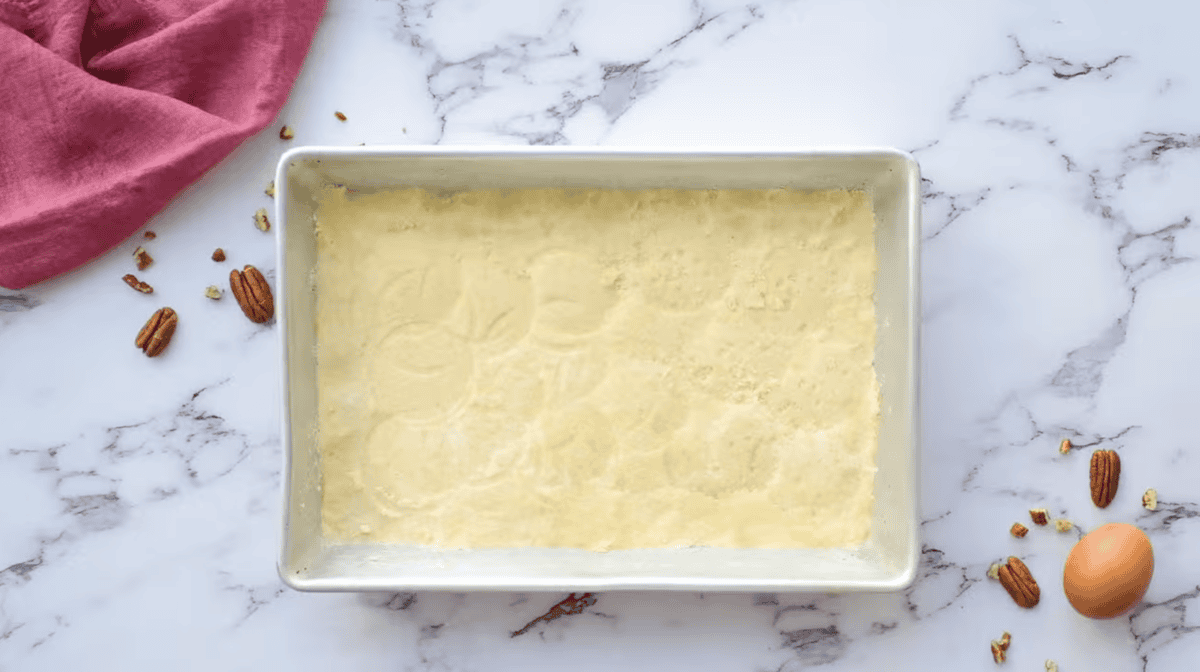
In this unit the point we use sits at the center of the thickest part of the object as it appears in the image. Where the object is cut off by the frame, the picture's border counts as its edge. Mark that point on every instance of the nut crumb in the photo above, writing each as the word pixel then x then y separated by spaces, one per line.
pixel 998 653
pixel 143 258
pixel 286 133
pixel 994 571
pixel 1051 666
pixel 1000 647
pixel 218 255
pixel 1063 525
pixel 149 235
pixel 340 116
pixel 140 286
pixel 270 190
pixel 213 292
pixel 1018 530
pixel 1150 499
pixel 1039 516
pixel 1065 446
pixel 260 220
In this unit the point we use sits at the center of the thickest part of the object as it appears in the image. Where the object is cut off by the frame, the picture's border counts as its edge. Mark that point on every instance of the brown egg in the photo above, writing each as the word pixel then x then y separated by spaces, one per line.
pixel 1108 571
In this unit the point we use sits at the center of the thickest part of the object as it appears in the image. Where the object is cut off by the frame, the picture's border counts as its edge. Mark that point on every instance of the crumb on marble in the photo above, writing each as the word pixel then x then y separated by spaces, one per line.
pixel 131 280
pixel 1000 648
pixel 143 258
pixel 260 220
pixel 571 606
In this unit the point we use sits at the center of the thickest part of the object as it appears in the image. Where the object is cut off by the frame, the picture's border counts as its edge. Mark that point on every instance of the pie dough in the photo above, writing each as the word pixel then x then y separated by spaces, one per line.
pixel 597 369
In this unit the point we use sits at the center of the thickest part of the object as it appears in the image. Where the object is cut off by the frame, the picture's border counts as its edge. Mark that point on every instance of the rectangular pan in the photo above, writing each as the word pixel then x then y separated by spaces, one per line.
pixel 886 561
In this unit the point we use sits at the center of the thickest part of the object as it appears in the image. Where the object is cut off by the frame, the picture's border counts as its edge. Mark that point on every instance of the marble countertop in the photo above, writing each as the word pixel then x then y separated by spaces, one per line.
pixel 1060 148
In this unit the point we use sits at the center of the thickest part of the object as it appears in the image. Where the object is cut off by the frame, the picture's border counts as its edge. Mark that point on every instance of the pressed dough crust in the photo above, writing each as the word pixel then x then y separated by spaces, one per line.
pixel 597 369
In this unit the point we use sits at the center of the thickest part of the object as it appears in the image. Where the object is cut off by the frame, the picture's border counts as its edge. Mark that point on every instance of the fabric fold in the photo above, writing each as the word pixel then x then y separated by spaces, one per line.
pixel 112 107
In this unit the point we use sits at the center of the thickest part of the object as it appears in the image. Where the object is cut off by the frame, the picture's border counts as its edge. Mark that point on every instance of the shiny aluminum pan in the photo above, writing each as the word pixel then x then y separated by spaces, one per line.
pixel 887 561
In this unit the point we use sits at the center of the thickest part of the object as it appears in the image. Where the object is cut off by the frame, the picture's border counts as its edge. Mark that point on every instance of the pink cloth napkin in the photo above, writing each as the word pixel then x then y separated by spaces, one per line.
pixel 108 108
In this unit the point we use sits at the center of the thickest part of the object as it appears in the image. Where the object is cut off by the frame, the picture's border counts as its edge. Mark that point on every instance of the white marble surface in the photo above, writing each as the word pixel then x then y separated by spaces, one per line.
pixel 1060 143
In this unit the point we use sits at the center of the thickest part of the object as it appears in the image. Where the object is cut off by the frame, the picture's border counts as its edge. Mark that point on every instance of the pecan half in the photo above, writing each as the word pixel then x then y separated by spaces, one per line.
pixel 1105 474
pixel 1018 530
pixel 1039 516
pixel 156 334
pixel 131 280
pixel 143 258
pixel 1019 583
pixel 253 293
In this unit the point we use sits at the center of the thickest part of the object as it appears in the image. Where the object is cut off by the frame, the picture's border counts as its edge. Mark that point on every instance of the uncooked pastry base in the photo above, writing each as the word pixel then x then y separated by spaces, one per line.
pixel 597 369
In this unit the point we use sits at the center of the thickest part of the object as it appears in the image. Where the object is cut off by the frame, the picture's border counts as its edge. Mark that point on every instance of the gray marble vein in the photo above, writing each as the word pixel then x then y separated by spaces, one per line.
pixel 1059 150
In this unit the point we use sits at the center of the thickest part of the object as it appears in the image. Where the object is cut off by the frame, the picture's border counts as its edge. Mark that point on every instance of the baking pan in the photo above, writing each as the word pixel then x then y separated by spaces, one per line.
pixel 886 561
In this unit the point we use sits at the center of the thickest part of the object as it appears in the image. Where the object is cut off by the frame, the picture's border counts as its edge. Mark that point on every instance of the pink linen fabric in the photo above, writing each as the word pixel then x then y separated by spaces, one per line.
pixel 109 108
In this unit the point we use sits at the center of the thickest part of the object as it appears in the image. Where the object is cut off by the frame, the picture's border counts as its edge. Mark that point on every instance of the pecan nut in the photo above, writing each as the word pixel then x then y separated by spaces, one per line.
pixel 1105 474
pixel 131 280
pixel 1019 583
pixel 1039 516
pixel 142 258
pixel 253 293
pixel 1000 648
pixel 999 653
pixel 218 255
pixel 260 220
pixel 156 335
pixel 1018 530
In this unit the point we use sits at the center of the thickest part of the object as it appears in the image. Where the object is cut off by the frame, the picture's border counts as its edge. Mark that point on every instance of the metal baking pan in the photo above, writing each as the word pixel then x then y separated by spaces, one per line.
pixel 886 561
